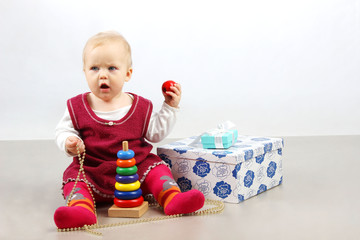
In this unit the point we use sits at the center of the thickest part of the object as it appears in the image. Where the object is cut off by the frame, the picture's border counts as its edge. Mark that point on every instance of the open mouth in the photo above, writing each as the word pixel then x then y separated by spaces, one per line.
pixel 104 86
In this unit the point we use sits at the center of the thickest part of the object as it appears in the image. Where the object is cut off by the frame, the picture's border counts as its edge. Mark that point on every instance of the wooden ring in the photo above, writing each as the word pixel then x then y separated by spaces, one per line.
pixel 127 179
pixel 129 203
pixel 128 187
pixel 126 163
pixel 128 195
pixel 125 154
pixel 126 171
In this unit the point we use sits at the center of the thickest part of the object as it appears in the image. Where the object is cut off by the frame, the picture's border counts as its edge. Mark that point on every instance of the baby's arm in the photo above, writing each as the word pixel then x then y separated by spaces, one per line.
pixel 67 137
pixel 161 123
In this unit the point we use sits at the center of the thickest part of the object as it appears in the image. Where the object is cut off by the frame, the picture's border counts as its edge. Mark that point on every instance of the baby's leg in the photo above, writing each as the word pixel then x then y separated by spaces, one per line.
pixel 161 184
pixel 80 211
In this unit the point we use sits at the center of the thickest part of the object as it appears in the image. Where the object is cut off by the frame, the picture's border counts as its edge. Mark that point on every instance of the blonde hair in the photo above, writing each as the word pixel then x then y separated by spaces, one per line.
pixel 105 37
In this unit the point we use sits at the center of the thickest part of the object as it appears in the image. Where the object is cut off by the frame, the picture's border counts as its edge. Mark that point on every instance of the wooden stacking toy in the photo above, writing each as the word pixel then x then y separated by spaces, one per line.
pixel 128 201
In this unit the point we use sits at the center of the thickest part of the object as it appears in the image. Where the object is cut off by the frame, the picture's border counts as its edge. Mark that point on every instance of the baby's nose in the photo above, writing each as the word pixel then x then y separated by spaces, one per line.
pixel 102 74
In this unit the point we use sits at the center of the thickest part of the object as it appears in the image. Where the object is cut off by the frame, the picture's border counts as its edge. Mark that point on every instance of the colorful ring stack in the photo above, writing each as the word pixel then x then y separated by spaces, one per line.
pixel 128 193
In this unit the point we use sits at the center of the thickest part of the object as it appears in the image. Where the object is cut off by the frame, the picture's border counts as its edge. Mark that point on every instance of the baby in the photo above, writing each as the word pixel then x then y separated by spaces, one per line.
pixel 101 120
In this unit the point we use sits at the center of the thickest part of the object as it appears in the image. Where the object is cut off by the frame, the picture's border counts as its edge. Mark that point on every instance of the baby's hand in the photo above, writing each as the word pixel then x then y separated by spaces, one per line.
pixel 172 98
pixel 71 144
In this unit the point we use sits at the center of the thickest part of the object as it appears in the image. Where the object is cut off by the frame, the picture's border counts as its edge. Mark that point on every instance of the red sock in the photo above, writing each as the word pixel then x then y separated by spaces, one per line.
pixel 161 184
pixel 80 211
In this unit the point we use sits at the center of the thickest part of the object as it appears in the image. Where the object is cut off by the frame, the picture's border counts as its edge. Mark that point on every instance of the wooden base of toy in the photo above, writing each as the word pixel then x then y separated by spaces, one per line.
pixel 135 212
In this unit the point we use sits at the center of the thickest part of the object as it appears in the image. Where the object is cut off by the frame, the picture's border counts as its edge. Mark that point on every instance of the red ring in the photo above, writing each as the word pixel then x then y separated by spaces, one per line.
pixel 129 203
pixel 126 163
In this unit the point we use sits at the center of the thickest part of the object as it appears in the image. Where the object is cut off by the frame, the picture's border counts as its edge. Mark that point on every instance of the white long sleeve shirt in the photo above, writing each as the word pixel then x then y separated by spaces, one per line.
pixel 160 125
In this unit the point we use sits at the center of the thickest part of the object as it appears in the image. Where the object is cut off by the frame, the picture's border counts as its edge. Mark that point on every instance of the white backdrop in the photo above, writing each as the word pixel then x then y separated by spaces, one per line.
pixel 275 68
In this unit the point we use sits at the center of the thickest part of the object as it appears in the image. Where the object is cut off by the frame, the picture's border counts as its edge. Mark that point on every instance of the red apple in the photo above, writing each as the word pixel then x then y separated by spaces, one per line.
pixel 166 85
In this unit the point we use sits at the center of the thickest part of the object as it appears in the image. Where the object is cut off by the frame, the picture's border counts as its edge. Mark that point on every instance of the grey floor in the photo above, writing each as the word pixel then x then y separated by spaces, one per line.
pixel 319 198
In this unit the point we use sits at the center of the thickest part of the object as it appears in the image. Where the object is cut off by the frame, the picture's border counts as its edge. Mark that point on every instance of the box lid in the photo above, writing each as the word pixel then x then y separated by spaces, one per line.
pixel 219 140
pixel 245 148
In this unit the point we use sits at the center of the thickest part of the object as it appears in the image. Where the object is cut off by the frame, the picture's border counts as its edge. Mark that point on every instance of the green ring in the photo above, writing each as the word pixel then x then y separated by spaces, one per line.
pixel 126 171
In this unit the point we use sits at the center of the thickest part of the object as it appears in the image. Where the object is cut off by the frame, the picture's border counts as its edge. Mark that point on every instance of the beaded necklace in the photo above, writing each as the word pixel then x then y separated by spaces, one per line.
pixel 218 207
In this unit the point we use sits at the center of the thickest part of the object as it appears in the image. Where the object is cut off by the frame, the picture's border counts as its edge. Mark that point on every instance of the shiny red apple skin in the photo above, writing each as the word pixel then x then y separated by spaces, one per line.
pixel 166 85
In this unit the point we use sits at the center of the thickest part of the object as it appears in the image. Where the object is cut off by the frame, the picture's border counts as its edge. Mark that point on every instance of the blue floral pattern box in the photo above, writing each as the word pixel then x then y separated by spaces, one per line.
pixel 251 166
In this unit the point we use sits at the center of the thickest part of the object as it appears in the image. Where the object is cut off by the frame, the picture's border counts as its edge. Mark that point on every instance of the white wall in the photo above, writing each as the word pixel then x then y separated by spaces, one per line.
pixel 273 67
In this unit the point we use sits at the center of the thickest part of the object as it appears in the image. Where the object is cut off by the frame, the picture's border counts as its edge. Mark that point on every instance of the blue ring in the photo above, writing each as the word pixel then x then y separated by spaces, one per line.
pixel 127 179
pixel 125 155
pixel 128 195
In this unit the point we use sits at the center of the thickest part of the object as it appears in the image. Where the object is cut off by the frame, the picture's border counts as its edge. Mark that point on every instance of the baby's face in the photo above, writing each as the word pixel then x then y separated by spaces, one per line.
pixel 106 70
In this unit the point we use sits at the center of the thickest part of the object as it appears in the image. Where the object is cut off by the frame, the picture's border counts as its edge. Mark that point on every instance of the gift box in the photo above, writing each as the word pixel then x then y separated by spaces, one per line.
pixel 219 138
pixel 251 166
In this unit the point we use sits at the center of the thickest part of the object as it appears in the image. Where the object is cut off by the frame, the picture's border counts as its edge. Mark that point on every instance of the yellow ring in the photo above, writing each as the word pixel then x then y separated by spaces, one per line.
pixel 127 187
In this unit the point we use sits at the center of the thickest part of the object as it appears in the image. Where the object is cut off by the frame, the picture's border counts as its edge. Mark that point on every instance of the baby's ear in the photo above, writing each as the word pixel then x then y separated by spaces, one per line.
pixel 129 74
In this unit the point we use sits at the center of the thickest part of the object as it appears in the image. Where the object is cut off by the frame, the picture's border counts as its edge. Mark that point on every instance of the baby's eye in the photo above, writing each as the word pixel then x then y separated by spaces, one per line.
pixel 94 68
pixel 112 68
